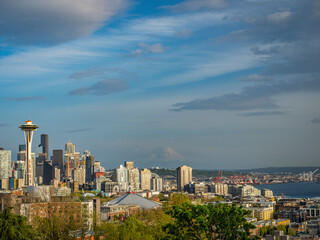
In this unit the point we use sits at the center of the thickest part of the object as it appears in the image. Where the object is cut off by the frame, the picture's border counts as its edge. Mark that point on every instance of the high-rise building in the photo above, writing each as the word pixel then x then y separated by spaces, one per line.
pixel 71 159
pixel 28 129
pixel 70 147
pixel 134 178
pixel 22 147
pixel 57 159
pixel 47 172
pixel 89 166
pixel 121 174
pixel 79 175
pixel 5 164
pixel 45 145
pixel 122 178
pixel 184 176
pixel 129 165
pixel 145 178
pixel 156 182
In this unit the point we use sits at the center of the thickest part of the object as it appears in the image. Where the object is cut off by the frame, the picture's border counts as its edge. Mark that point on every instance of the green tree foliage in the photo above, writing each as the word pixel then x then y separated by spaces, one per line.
pixel 175 199
pixel 282 228
pixel 292 232
pixel 107 230
pixel 154 219
pixel 54 228
pixel 220 221
pixel 13 227
pixel 133 229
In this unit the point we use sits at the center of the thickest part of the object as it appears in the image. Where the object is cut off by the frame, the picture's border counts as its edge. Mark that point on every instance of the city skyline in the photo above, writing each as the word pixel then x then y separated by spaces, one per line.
pixel 212 84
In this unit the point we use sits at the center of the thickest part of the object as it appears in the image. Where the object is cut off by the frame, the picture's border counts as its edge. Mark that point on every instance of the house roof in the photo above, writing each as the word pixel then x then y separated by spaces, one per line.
pixel 133 198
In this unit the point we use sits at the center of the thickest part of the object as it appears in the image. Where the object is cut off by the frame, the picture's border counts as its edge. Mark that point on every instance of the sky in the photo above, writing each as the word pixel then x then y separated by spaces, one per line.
pixel 212 84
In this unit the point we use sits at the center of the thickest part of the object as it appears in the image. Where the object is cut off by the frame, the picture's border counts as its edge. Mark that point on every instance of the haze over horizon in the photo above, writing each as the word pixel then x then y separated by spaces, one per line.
pixel 213 84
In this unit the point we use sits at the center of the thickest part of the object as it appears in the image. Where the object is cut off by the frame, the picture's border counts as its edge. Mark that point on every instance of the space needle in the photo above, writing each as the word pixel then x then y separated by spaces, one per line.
pixel 28 129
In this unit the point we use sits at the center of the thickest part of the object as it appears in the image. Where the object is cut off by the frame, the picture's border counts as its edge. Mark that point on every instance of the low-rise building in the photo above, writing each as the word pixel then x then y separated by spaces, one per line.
pixel 118 211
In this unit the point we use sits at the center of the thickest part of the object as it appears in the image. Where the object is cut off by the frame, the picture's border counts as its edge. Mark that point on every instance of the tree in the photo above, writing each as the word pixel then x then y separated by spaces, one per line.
pixel 175 199
pixel 292 232
pixel 220 221
pixel 14 226
pixel 154 219
pixel 282 228
pixel 133 229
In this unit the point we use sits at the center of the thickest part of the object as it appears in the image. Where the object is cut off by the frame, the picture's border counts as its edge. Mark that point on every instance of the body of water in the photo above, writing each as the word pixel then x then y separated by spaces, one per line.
pixel 300 189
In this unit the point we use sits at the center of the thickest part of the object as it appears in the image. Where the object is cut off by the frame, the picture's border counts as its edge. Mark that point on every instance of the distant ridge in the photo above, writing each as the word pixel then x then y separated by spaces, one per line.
pixel 164 172
pixel 271 170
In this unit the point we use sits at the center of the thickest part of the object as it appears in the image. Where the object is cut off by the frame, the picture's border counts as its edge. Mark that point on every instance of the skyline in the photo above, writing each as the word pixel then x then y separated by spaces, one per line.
pixel 209 83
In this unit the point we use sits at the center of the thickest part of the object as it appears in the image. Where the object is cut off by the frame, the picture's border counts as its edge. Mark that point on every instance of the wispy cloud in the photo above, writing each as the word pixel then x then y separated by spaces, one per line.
pixel 23 99
pixel 81 130
pixel 315 120
pixel 52 22
pixel 4 125
pixel 145 48
pixel 251 98
pixel 102 72
pixel 101 88
pixel 263 113
pixel 196 5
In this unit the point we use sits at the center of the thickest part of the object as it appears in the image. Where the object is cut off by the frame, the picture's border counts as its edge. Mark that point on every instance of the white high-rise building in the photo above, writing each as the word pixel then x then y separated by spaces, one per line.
pixel 145 178
pixel 5 164
pixel 156 182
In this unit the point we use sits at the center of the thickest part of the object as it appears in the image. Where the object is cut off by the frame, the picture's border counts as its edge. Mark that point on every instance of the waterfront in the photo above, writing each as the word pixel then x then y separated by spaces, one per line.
pixel 300 189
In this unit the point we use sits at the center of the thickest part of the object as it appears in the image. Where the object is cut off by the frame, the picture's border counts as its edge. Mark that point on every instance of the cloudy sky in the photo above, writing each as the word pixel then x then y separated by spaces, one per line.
pixel 214 84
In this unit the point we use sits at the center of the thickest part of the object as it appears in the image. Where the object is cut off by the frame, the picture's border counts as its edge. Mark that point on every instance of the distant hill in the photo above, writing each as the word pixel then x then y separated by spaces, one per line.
pixel 273 170
pixel 214 173
pixel 195 173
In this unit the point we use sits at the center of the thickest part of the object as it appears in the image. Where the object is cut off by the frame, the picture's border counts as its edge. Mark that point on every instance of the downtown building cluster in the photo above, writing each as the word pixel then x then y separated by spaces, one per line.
pixel 70 169
pixel 40 185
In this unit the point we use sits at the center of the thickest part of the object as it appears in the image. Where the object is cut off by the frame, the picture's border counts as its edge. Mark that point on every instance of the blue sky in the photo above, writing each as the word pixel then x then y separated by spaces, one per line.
pixel 214 84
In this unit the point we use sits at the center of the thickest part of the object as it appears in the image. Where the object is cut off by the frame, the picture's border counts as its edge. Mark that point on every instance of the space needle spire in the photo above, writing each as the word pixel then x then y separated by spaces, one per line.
pixel 28 129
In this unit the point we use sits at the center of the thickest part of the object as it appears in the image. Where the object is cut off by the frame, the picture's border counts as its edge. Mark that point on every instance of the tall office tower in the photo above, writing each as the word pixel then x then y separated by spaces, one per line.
pixel 45 145
pixel 21 155
pixel 28 129
pixel 89 166
pixel 156 182
pixel 5 163
pixel 79 175
pixel 129 165
pixel 184 176
pixel 145 178
pixel 122 177
pixel 47 172
pixel 39 164
pixel 22 147
pixel 134 178
pixel 121 174
pixel 70 147
pixel 57 159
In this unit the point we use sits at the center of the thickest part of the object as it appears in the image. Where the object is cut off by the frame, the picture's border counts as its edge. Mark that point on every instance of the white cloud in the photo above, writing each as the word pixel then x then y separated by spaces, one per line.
pixel 51 22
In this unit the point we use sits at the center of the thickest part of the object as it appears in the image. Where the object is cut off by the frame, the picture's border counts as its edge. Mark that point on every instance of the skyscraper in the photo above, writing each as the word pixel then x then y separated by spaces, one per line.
pixel 28 129
pixel 184 176
pixel 70 147
pixel 45 145
pixel 145 179
pixel 57 159
pixel 89 166
pixel 134 178
pixel 129 165
pixel 5 163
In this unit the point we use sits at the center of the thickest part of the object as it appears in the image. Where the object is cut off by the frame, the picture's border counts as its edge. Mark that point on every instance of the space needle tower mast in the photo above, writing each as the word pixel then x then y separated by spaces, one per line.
pixel 28 129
